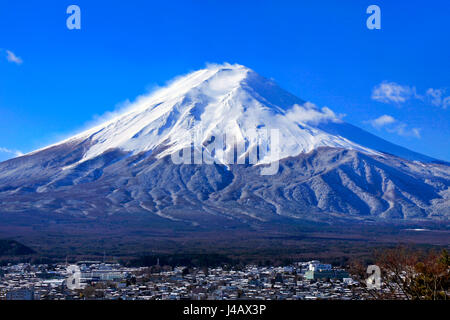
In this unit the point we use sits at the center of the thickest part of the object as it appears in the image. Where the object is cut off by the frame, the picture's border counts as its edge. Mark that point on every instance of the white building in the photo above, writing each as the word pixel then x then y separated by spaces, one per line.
pixel 317 266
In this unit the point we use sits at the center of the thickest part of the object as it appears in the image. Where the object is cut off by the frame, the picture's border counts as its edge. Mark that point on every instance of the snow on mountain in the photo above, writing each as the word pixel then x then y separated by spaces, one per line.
pixel 327 168
pixel 235 101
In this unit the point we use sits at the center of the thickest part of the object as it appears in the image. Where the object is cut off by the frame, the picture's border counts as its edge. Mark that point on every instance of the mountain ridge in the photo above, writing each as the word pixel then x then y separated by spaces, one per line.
pixel 194 106
pixel 328 170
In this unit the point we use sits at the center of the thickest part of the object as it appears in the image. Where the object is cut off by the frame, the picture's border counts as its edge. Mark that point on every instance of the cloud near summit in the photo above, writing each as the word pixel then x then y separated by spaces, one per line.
pixel 15 153
pixel 310 113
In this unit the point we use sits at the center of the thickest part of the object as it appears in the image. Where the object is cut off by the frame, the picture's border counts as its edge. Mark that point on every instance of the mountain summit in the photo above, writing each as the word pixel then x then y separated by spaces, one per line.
pixel 228 100
pixel 328 169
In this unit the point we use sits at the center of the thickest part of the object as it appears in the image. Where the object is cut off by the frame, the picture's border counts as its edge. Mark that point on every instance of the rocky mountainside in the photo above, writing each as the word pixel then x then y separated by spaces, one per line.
pixel 327 168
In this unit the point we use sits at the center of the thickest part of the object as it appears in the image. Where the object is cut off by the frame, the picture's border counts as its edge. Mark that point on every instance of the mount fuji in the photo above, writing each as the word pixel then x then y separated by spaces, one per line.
pixel 327 169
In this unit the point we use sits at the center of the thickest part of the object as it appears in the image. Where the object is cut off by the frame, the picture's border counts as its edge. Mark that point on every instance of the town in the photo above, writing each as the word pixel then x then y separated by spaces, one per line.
pixel 96 280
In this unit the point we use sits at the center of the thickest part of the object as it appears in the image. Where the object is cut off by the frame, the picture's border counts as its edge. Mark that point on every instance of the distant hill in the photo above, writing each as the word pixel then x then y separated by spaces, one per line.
pixel 13 248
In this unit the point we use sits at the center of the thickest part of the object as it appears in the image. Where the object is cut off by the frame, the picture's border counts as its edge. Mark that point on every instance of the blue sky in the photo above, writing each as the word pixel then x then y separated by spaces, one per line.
pixel 392 82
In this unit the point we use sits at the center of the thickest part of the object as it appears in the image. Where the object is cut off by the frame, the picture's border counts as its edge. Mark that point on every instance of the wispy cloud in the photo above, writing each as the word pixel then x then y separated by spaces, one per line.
pixel 437 98
pixel 403 130
pixel 12 57
pixel 391 92
pixel 392 125
pixel 446 102
pixel 16 153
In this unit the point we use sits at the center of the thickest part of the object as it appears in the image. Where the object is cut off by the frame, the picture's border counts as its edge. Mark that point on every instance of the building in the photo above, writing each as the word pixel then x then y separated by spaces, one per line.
pixel 326 274
pixel 320 271
pixel 317 266
pixel 80 276
pixel 21 294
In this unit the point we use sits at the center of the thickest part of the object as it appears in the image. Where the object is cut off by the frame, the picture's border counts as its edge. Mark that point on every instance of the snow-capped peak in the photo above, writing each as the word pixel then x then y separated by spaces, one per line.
pixel 230 100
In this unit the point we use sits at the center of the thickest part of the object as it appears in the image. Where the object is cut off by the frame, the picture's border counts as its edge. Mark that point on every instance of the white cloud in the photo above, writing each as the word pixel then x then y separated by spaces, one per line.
pixel 11 57
pixel 382 121
pixel 16 153
pixel 402 130
pixel 390 124
pixel 446 102
pixel 436 98
pixel 310 113
pixel 416 132
pixel 389 92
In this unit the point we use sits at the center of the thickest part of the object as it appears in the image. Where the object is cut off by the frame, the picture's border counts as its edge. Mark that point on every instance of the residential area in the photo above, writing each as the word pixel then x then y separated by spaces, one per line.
pixel 96 280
